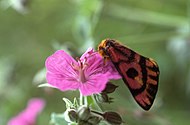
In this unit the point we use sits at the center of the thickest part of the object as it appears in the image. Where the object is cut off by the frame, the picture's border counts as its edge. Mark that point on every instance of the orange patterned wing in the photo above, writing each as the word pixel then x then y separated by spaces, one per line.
pixel 139 73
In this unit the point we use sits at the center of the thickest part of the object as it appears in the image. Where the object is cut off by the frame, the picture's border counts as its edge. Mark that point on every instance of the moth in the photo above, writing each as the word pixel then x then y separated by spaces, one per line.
pixel 139 73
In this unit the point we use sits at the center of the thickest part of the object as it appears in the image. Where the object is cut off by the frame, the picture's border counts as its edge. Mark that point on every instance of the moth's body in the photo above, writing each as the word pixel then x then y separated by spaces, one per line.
pixel 139 73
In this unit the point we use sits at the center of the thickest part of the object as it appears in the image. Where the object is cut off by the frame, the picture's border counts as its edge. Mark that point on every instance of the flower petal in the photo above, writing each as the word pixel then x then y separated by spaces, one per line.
pixel 111 71
pixel 86 54
pixel 62 83
pixel 96 65
pixel 28 116
pixel 60 71
pixel 95 84
pixel 61 62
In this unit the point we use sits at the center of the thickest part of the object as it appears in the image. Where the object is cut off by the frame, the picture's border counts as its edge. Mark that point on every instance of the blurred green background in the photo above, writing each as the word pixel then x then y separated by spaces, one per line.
pixel 32 30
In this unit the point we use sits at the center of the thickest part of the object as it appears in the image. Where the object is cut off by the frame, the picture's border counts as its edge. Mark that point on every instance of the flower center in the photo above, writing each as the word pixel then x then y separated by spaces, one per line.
pixel 82 77
pixel 81 67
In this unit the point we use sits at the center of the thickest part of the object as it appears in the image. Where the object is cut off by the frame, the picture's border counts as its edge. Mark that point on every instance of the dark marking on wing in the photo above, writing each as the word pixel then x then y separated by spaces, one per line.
pixel 142 64
pixel 152 89
pixel 155 78
pixel 132 73
pixel 154 68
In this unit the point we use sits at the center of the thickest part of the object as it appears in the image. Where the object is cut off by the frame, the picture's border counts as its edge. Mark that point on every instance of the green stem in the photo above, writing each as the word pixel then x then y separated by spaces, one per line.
pixel 85 101
pixel 81 99
pixel 95 103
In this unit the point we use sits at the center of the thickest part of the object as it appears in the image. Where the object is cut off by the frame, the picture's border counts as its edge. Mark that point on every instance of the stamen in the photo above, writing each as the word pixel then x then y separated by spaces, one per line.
pixel 77 58
pixel 81 68
pixel 82 76
pixel 74 66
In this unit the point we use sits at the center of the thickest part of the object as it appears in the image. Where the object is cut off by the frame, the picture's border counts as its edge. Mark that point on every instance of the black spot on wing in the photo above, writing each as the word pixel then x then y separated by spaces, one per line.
pixel 132 73
pixel 142 64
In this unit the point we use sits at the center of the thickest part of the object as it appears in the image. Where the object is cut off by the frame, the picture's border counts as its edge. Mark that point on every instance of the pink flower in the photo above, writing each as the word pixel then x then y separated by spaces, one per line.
pixel 28 116
pixel 89 74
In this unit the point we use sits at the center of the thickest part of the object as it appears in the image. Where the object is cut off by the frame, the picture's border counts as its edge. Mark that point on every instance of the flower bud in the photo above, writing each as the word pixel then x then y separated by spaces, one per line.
pixel 73 115
pixel 70 115
pixel 110 88
pixel 83 112
pixel 112 118
pixel 103 98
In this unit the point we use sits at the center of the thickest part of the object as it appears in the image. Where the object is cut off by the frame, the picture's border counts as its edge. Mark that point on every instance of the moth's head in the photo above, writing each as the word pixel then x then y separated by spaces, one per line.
pixel 103 46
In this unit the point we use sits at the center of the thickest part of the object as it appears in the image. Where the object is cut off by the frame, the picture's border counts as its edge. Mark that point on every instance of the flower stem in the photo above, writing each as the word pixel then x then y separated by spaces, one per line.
pixel 85 101
pixel 81 99
pixel 98 113
pixel 95 103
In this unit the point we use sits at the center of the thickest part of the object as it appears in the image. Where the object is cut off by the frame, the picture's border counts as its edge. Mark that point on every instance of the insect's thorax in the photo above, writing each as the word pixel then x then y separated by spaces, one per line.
pixel 102 48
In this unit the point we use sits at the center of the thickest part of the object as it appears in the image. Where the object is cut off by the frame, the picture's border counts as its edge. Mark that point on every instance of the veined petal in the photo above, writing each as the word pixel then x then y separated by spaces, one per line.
pixel 62 83
pixel 86 54
pixel 60 71
pixel 95 84
pixel 97 65
pixel 111 71
pixel 60 63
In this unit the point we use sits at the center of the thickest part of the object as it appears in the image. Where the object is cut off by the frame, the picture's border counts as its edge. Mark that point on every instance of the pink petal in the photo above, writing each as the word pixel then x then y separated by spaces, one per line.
pixel 95 84
pixel 111 71
pixel 96 65
pixel 35 105
pixel 60 62
pixel 60 72
pixel 86 54
pixel 62 83
pixel 28 116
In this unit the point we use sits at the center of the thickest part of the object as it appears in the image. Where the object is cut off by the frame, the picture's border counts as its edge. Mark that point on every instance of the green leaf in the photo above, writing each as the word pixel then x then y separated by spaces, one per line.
pixel 75 103
pixel 68 103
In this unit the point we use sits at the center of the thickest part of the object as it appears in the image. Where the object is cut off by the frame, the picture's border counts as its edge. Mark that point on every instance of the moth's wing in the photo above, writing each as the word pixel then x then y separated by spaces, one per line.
pixel 139 73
